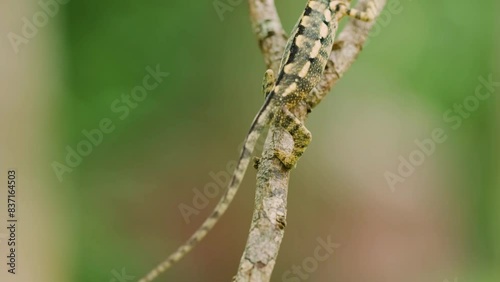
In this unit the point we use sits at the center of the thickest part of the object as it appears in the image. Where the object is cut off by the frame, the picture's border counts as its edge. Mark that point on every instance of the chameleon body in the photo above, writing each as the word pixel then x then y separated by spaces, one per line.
pixel 302 65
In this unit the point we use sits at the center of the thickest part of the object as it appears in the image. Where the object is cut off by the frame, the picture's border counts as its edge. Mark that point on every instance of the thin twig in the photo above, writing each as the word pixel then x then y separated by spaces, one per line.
pixel 269 218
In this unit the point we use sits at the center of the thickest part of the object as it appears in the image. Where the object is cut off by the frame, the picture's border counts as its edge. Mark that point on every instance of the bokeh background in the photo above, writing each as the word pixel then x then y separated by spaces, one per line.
pixel 118 212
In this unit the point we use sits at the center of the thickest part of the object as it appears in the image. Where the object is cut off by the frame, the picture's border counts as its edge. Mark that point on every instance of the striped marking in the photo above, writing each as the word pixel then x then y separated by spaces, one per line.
pixel 288 69
pixel 290 89
pixel 328 15
pixel 316 5
pixel 306 21
pixel 300 41
pixel 315 49
pixel 305 69
pixel 337 6
pixel 323 30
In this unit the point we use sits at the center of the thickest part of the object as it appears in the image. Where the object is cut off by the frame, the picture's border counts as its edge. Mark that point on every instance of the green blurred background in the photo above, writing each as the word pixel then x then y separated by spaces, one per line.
pixel 119 210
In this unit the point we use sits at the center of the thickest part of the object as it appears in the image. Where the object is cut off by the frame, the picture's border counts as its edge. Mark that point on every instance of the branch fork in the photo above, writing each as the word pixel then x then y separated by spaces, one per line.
pixel 269 217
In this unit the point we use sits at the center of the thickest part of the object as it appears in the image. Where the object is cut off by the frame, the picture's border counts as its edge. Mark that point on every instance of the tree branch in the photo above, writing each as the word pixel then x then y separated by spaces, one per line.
pixel 269 218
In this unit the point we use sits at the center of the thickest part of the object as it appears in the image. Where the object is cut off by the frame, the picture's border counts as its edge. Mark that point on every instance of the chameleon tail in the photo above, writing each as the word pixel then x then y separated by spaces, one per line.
pixel 259 122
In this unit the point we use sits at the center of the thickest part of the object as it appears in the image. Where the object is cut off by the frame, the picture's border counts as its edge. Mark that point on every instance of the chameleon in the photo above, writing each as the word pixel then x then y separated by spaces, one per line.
pixel 302 64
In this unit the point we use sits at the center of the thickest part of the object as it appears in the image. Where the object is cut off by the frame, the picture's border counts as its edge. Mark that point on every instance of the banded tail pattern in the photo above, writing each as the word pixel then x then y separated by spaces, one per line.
pixel 258 124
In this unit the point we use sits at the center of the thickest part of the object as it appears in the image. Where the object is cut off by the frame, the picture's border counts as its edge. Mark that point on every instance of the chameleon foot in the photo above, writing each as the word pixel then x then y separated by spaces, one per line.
pixel 301 138
pixel 268 82
pixel 287 159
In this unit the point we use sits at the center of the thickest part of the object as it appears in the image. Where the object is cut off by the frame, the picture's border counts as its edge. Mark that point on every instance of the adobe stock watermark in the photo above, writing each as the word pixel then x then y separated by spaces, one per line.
pixel 121 276
pixel 393 8
pixel 454 117
pixel 321 253
pixel 223 6
pixel 211 190
pixel 122 107
pixel 31 26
